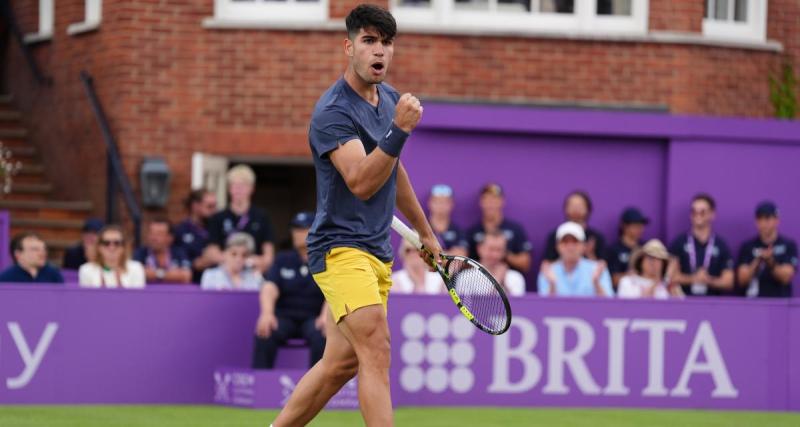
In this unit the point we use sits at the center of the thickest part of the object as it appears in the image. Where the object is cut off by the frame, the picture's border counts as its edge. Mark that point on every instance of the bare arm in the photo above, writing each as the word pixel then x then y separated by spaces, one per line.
pixel 745 272
pixel 783 273
pixel 266 320
pixel 724 281
pixel 520 261
pixel 364 174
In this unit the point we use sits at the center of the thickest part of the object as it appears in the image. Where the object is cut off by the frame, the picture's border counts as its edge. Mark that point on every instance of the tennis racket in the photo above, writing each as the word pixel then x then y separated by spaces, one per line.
pixel 473 289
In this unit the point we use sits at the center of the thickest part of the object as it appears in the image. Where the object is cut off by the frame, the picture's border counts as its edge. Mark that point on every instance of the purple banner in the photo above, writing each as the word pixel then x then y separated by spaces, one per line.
pixel 168 345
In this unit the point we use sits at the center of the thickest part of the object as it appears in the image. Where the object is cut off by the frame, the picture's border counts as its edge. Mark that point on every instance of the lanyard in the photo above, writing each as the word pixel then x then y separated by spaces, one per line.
pixel 706 256
pixel 152 263
pixel 198 230
pixel 243 221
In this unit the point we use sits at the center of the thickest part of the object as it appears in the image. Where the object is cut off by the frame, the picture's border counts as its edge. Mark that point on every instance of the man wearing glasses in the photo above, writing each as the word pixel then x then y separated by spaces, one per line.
pixel 701 261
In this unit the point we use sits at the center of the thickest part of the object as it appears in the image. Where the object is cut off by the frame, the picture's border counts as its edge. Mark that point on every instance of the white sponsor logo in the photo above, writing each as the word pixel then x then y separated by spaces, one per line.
pixel 30 359
pixel 437 353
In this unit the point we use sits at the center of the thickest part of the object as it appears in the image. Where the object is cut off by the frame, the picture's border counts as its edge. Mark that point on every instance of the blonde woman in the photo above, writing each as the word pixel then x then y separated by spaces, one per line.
pixel 113 267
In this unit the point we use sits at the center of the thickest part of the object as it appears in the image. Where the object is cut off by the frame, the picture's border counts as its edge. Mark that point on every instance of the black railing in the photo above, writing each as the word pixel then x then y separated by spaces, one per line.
pixel 115 173
pixel 11 20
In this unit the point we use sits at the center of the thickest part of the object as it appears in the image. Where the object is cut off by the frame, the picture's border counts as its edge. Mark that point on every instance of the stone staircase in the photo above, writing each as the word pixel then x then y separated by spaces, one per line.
pixel 32 203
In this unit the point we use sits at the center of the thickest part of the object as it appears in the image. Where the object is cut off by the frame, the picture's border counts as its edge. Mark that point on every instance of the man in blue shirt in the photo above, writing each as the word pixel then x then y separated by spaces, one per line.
pixel 163 262
pixel 492 202
pixel 357 132
pixel 292 305
pixel 192 234
pixel 86 250
pixel 768 261
pixel 30 262
pixel 701 259
pixel 571 274
pixel 618 255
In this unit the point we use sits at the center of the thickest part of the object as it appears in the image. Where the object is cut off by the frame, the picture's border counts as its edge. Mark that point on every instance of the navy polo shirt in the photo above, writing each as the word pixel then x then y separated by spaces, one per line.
pixel 551 254
pixel 783 250
pixel 255 223
pixel 453 236
pixel 191 237
pixel 516 238
pixel 300 298
pixel 720 261
pixel 74 257
pixel 618 257
pixel 342 219
pixel 177 258
pixel 46 274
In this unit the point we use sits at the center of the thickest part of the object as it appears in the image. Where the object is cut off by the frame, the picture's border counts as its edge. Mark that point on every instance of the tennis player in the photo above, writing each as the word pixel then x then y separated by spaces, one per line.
pixel 356 135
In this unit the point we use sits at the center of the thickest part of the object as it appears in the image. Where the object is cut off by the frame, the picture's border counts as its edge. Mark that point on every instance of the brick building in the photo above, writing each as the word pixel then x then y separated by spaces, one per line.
pixel 239 78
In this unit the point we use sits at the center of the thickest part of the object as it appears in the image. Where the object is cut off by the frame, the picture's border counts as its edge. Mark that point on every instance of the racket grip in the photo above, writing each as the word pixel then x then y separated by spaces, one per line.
pixel 410 235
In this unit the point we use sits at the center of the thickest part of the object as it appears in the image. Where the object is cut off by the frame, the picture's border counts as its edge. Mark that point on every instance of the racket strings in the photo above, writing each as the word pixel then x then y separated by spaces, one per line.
pixel 478 294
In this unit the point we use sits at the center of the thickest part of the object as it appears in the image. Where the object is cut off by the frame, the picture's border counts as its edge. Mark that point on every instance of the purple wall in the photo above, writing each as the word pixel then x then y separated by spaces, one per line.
pixel 654 161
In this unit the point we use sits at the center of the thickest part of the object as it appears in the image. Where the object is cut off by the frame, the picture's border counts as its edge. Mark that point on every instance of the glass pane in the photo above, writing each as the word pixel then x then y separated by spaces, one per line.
pixel 557 6
pixel 514 5
pixel 721 10
pixel 472 4
pixel 614 7
pixel 740 11
pixel 414 3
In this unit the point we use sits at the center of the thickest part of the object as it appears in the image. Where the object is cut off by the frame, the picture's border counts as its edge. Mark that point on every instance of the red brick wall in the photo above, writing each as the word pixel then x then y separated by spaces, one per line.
pixel 172 87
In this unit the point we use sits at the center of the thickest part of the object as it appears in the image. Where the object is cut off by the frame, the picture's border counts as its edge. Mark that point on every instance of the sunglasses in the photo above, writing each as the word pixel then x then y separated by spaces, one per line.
pixel 109 243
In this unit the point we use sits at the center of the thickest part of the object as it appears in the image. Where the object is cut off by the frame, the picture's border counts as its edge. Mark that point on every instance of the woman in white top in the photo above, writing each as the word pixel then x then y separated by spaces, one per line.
pixel 233 273
pixel 113 267
pixel 492 251
pixel 649 279
pixel 415 277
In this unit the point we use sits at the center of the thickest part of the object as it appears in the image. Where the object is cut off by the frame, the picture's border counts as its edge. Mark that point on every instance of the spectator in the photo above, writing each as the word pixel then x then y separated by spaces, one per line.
pixel 30 262
pixel 648 279
pixel 233 274
pixel 192 233
pixel 767 262
pixel 86 250
pixel 701 260
pixel 440 207
pixel 572 274
pixel 492 201
pixel 240 215
pixel 292 306
pixel 618 255
pixel 578 208
pixel 113 267
pixel 492 255
pixel 415 277
pixel 163 262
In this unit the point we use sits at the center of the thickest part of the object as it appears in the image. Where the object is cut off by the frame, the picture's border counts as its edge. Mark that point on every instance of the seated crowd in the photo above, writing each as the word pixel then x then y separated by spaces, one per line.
pixel 233 249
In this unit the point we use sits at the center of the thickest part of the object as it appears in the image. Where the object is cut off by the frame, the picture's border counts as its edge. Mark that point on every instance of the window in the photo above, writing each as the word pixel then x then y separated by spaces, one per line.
pixel 736 19
pixel 271 10
pixel 559 16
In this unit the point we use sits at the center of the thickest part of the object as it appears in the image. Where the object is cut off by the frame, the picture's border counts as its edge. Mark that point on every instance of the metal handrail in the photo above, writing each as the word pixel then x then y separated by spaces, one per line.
pixel 115 173
pixel 8 13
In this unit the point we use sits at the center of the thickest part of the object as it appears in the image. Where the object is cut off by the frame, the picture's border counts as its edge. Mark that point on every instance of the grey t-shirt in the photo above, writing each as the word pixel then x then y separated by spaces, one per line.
pixel 342 220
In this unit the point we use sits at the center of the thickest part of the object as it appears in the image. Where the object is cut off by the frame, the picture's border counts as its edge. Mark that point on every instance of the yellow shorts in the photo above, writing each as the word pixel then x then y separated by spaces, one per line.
pixel 353 279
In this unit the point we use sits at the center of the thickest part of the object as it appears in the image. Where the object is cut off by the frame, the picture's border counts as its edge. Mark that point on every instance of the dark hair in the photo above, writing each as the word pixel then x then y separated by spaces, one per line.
pixel 583 195
pixel 16 242
pixel 706 198
pixel 370 16
pixel 664 265
pixel 162 220
pixel 195 196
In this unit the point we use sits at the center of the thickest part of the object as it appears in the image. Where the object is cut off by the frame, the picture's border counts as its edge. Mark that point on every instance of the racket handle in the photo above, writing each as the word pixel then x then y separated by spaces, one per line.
pixel 410 235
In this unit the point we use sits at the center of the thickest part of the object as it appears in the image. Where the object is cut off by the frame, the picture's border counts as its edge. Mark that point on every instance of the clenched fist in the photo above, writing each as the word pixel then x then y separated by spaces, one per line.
pixel 407 113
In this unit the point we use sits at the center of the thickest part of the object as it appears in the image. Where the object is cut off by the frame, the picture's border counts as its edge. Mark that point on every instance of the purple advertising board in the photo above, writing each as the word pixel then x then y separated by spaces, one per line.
pixel 179 345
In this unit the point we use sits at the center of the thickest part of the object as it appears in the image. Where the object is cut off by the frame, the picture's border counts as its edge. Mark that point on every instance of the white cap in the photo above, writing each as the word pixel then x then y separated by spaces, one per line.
pixel 570 228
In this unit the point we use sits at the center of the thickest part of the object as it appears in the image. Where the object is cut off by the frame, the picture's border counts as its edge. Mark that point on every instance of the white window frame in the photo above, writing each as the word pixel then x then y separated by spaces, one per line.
pixel 754 29
pixel 271 11
pixel 585 20
pixel 93 16
pixel 46 22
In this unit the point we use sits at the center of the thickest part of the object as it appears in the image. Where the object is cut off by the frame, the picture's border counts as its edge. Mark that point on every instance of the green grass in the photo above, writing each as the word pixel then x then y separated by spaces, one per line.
pixel 200 416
